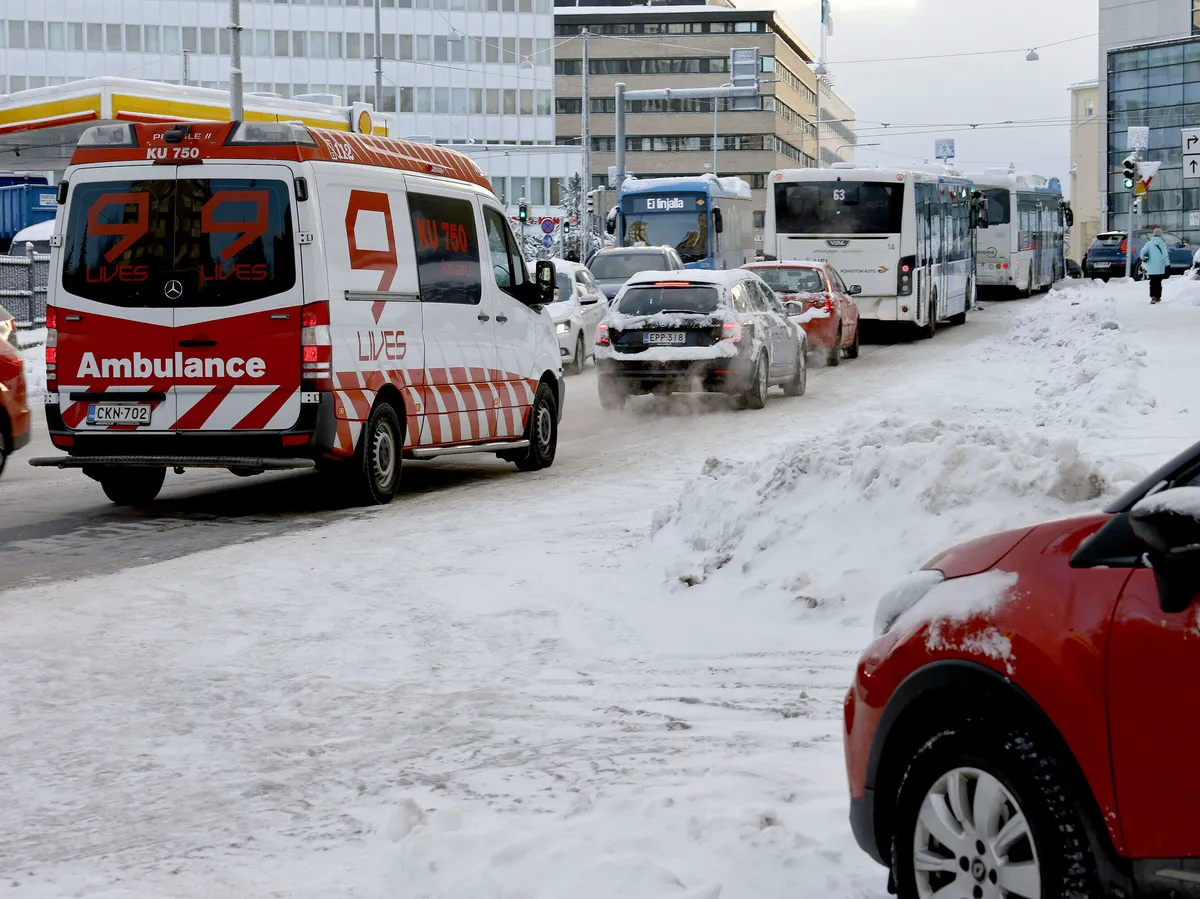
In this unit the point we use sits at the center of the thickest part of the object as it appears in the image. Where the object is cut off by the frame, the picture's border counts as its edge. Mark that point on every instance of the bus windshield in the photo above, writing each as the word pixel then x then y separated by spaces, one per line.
pixel 999 207
pixel 838 207
pixel 687 232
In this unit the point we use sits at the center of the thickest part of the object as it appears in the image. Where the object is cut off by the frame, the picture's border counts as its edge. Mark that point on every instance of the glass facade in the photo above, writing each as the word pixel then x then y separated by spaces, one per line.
pixel 1156 86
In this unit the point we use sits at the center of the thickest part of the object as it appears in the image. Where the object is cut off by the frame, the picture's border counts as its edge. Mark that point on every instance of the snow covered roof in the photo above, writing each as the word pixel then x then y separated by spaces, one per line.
pixel 38 231
pixel 1016 180
pixel 718 187
pixel 691 276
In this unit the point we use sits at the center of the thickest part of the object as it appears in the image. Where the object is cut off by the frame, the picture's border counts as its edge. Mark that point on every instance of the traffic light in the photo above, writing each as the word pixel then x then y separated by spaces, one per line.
pixel 523 213
pixel 1130 172
pixel 566 228
pixel 591 202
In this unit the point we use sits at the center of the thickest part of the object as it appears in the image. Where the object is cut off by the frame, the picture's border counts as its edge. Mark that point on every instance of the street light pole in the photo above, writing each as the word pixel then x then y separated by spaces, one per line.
pixel 378 104
pixel 715 108
pixel 587 151
pixel 236 109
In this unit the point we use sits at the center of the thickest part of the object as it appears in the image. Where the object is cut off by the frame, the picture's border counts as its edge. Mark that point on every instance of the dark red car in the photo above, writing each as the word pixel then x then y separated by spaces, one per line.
pixel 14 411
pixel 815 285
pixel 1027 722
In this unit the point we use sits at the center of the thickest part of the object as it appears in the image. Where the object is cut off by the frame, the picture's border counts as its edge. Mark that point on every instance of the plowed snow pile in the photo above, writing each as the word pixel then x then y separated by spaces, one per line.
pixel 830 522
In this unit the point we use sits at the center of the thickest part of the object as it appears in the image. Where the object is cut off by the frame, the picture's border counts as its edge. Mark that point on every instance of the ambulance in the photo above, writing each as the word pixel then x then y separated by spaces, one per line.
pixel 263 296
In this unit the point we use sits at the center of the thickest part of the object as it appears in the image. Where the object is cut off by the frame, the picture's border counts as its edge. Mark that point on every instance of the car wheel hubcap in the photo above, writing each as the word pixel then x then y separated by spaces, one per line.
pixel 972 839
pixel 545 427
pixel 384 454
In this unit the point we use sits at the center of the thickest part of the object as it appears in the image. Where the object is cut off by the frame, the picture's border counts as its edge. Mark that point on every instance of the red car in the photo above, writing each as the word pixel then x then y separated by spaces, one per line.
pixel 14 412
pixel 815 285
pixel 1027 722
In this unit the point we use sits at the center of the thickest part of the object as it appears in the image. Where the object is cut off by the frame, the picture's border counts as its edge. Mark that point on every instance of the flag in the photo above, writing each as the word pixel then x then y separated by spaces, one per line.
pixel 826 18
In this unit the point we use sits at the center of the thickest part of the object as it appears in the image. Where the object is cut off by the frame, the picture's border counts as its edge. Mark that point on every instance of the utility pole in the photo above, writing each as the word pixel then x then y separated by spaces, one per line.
pixel 378 61
pixel 236 110
pixel 586 230
pixel 187 68
pixel 619 88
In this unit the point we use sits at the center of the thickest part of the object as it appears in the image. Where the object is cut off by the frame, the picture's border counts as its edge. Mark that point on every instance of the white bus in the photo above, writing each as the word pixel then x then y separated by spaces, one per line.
pixel 1022 246
pixel 905 236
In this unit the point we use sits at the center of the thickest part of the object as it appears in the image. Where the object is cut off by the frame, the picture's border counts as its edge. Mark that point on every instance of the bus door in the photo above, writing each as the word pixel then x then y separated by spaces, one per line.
pixel 925 241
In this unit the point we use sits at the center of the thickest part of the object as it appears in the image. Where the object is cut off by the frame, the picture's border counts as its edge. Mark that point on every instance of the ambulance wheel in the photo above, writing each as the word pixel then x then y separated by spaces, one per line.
pixel 542 433
pixel 378 460
pixel 131 486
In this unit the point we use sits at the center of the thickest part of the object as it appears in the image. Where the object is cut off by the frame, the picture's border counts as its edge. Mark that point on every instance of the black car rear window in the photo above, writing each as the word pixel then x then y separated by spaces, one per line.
pixel 653 300
pixel 225 241
pixel 1108 240
pixel 621 266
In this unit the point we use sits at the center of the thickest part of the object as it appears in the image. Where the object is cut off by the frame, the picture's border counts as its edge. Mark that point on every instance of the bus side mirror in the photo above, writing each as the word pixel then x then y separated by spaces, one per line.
pixel 718 221
pixel 610 224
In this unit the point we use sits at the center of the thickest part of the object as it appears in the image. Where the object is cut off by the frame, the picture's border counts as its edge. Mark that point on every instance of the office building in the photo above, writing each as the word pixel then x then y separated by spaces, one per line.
pixel 1150 76
pixel 454 70
pixel 687 46
pixel 1086 141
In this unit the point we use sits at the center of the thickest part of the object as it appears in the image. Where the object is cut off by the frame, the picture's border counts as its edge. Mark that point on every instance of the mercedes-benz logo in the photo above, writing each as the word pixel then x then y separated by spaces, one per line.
pixel 173 289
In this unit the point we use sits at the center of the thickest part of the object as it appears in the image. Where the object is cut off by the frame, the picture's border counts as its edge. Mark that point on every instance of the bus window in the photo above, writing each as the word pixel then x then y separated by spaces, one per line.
pixel 999 206
pixel 838 207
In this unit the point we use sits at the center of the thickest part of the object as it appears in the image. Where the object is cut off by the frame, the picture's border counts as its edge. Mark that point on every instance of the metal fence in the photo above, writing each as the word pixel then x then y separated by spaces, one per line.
pixel 23 288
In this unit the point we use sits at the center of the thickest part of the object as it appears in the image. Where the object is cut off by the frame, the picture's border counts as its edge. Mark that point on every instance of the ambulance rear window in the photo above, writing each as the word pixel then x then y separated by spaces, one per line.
pixel 191 242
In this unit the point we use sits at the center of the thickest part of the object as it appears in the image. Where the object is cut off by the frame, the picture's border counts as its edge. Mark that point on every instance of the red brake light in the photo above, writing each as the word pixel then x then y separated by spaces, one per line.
pixel 1124 245
pixel 313 315
pixel 672 284
pixel 316 347
pixel 906 269
pixel 732 332
pixel 51 318
pixel 602 335
pixel 51 349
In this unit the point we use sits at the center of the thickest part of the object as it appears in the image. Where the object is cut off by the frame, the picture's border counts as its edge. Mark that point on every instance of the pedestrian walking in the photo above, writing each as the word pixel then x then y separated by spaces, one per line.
pixel 1156 256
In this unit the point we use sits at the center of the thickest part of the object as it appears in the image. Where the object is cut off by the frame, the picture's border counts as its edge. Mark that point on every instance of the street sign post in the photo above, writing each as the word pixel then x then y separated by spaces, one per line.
pixel 1138 138
pixel 943 148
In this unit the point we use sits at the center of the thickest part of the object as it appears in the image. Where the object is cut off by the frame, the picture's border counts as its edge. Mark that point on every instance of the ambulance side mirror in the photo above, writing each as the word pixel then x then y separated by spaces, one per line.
pixel 545 282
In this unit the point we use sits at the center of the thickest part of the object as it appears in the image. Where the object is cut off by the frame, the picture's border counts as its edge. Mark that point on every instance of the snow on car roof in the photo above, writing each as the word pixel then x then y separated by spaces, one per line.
pixel 35 232
pixel 565 265
pixel 690 276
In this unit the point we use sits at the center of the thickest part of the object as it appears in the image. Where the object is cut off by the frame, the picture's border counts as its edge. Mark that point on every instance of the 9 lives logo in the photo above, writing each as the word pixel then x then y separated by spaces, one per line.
pixel 102 224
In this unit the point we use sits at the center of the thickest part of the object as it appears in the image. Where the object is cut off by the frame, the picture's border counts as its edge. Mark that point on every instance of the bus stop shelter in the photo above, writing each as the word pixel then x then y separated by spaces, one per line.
pixel 39 128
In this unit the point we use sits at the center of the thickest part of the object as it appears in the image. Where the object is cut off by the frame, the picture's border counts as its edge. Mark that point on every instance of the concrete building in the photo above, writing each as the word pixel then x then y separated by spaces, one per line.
pixel 1150 76
pixel 1086 141
pixel 687 46
pixel 453 69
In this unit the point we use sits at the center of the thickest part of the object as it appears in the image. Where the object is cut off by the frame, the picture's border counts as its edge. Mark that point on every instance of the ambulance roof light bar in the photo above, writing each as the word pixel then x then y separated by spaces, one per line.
pixel 106 136
pixel 272 134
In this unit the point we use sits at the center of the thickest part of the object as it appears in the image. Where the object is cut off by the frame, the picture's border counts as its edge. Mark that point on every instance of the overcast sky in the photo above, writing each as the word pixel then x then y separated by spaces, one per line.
pixel 971 89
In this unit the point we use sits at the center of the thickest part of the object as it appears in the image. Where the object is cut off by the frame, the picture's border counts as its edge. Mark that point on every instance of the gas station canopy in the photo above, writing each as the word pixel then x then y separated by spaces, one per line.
pixel 39 128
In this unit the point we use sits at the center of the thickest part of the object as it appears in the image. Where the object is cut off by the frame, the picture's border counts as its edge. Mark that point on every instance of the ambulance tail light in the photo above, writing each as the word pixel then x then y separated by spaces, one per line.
pixel 316 347
pixel 272 134
pixel 103 137
pixel 52 349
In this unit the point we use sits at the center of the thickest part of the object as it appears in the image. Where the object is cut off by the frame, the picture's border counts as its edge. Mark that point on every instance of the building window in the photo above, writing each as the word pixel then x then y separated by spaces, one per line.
pixel 510 102
pixel 441 100
pixel 16 38
pixel 354 46
pixel 405 99
pixel 568 106
pixel 298 43
pixel 208 41
pixel 537 191
pixel 556 191
pixel 190 41
pixel 423 46
pixel 37 35
pixel 526 102
pixel 1089 108
pixel 75 36
pixel 493 101
pixel 333 44
pixel 404 46
pixel 56 38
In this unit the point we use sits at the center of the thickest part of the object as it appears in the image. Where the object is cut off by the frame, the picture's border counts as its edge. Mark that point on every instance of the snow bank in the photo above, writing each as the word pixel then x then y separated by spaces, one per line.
pixel 831 522
pixel 33 355
pixel 1088 372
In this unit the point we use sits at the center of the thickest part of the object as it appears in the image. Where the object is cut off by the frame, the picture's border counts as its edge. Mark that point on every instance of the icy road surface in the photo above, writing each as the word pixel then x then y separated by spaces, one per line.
pixel 619 678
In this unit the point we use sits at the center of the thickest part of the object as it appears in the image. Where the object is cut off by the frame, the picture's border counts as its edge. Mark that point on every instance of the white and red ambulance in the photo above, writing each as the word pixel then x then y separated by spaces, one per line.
pixel 257 296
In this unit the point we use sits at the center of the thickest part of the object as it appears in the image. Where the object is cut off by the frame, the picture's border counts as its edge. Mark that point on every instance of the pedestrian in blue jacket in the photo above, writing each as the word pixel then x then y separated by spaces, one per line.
pixel 1156 256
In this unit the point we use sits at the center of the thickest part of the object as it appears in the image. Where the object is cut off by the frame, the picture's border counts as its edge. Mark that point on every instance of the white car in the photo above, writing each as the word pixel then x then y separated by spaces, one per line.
pixel 579 306
pixel 37 234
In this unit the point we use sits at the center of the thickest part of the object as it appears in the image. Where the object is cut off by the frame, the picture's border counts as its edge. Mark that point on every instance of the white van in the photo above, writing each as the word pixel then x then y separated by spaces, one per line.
pixel 267 296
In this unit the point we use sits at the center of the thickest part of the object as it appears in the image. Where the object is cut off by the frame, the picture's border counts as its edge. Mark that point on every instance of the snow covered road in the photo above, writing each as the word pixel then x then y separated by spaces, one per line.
pixel 618 678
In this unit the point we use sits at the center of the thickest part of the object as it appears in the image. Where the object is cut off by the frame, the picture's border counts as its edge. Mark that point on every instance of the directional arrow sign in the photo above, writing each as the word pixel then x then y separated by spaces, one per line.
pixel 1191 152
pixel 1191 167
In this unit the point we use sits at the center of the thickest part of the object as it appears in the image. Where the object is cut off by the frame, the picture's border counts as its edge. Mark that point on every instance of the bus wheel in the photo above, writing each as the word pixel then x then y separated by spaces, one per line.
pixel 959 318
pixel 930 328
pixel 1028 291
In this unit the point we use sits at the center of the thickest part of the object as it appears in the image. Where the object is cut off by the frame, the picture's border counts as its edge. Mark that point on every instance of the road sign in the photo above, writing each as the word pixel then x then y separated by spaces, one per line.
pixel 547 241
pixel 547 226
pixel 744 66
pixel 1146 173
pixel 943 148
pixel 1194 219
pixel 1191 153
pixel 1138 138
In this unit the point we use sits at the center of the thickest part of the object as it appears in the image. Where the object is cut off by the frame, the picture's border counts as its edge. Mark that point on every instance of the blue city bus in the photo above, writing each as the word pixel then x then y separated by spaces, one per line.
pixel 709 221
